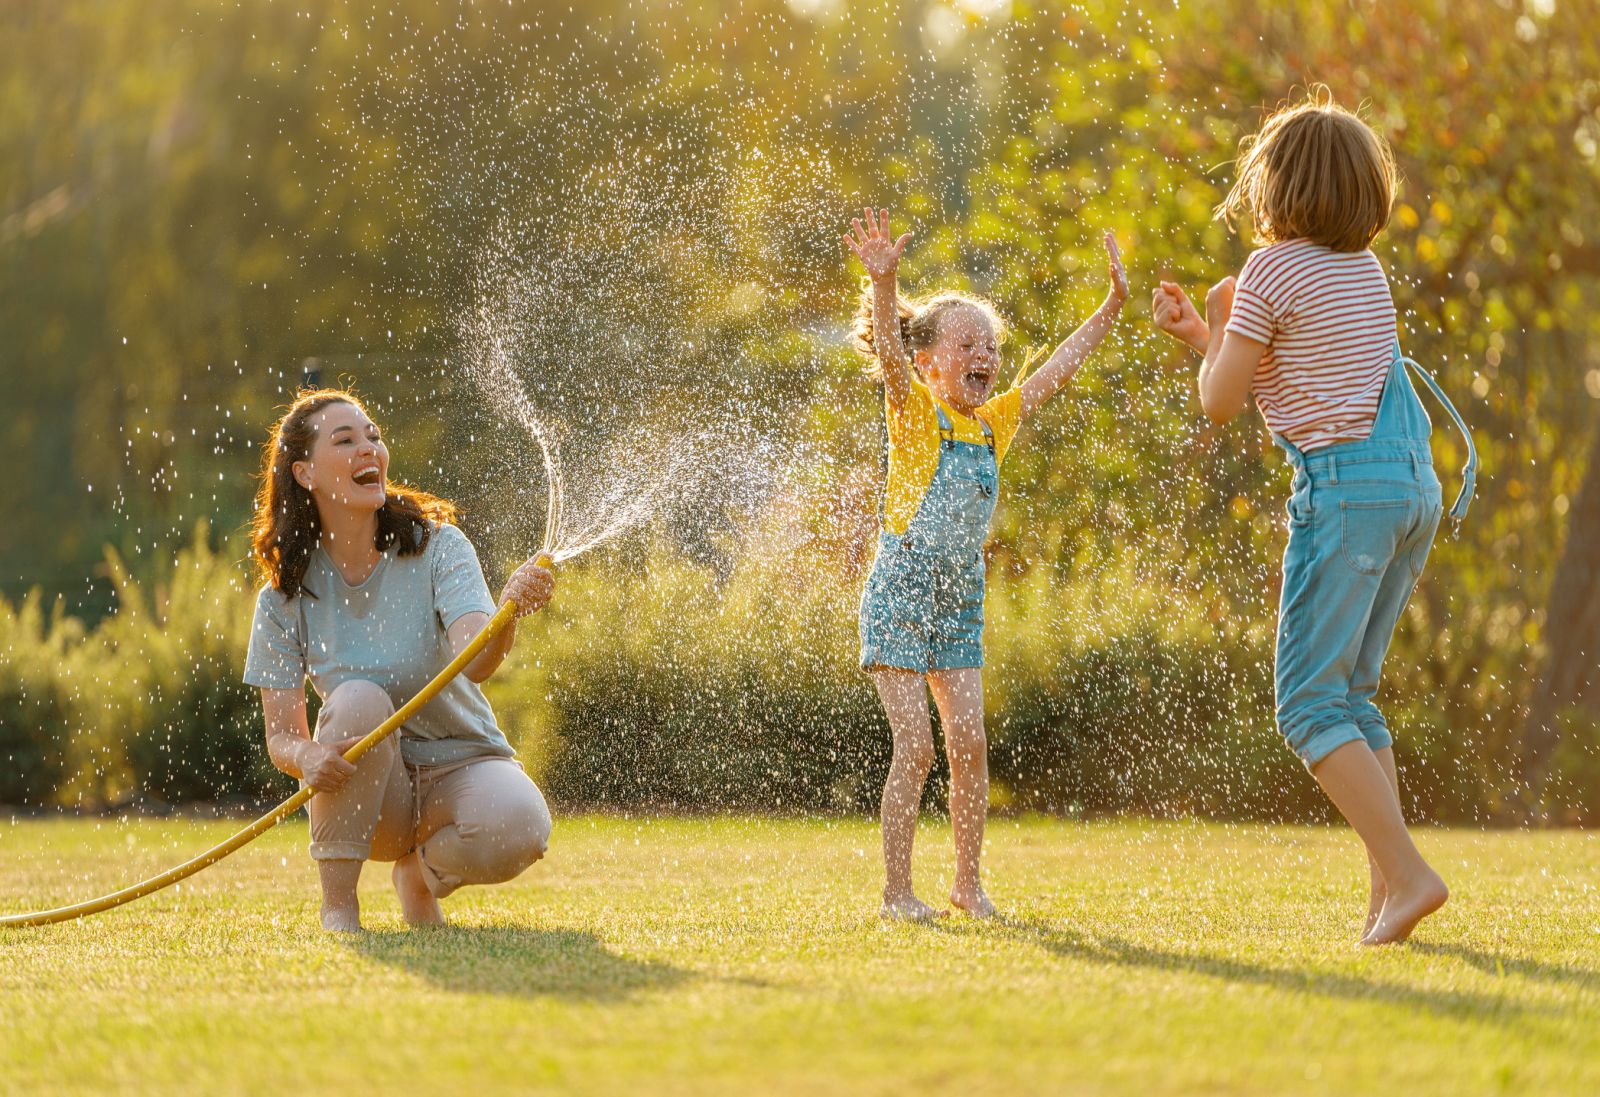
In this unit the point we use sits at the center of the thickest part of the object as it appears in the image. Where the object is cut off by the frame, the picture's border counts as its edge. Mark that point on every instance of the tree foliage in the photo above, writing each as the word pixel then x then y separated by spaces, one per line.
pixel 196 199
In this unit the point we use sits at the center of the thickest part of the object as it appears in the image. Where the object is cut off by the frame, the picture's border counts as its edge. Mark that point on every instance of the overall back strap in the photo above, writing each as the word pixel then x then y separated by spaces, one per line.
pixel 1469 471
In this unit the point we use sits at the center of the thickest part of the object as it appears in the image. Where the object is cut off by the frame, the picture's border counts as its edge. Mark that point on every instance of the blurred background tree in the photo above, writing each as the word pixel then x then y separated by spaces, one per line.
pixel 196 199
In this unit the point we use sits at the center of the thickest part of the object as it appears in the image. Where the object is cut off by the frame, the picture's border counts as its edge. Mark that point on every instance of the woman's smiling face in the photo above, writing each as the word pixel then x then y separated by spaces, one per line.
pixel 348 464
pixel 961 366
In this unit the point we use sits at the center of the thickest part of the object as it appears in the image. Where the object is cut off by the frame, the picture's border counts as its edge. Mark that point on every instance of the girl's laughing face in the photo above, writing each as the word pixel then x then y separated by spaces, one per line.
pixel 962 365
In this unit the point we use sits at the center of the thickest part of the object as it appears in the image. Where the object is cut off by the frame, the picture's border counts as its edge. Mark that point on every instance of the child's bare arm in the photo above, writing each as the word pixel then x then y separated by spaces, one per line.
pixel 1231 359
pixel 1176 315
pixel 1064 362
pixel 1230 364
pixel 880 254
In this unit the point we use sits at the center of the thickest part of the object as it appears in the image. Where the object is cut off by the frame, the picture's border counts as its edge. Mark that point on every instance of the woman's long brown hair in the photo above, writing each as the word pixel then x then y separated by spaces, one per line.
pixel 287 529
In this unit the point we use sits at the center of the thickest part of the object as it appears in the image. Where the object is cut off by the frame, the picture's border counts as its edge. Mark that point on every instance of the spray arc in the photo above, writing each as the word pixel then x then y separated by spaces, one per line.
pixel 553 548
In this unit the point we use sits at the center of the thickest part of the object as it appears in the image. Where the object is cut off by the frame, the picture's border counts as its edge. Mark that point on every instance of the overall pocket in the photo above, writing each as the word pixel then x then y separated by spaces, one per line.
pixel 1372 531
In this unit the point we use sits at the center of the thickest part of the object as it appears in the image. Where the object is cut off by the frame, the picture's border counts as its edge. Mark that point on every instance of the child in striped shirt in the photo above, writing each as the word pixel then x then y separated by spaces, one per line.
pixel 1309 328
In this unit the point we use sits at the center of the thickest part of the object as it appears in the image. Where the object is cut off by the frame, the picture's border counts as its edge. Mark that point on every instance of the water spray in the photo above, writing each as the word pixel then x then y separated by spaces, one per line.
pixel 502 617
pixel 610 514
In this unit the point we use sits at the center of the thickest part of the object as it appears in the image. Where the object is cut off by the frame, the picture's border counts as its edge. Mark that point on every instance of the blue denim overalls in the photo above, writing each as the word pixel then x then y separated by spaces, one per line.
pixel 1362 517
pixel 922 607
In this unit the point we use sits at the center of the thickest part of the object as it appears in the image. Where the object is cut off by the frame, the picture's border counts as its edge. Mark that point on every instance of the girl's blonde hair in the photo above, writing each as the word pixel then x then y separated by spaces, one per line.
pixel 1314 171
pixel 920 321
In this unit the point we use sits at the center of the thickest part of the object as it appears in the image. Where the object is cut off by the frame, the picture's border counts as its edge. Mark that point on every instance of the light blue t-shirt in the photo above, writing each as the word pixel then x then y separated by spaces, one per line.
pixel 390 630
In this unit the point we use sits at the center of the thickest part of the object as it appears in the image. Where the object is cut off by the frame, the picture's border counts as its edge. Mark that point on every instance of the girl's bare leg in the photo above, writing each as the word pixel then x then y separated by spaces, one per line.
pixel 1355 781
pixel 1385 756
pixel 959 695
pixel 905 703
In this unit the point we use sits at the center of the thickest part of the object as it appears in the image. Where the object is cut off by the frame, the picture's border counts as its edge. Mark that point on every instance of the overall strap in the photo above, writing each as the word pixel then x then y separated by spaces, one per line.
pixel 988 435
pixel 947 430
pixel 883 472
pixel 1469 471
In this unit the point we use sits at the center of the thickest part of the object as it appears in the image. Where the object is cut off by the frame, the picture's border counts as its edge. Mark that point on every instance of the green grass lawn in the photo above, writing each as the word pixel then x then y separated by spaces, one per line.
pixel 735 955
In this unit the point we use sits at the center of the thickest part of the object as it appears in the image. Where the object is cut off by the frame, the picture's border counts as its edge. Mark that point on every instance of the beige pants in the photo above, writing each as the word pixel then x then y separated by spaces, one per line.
pixel 476 822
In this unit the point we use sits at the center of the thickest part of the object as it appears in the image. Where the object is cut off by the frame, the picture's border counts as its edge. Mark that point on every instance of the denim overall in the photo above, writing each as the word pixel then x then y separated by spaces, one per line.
pixel 922 608
pixel 1362 517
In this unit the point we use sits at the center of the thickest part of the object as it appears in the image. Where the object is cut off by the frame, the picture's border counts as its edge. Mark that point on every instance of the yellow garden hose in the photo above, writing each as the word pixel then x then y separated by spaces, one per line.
pixel 502 617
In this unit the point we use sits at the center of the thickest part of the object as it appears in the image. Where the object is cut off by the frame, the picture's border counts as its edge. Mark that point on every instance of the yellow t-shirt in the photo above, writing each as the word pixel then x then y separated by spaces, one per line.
pixel 914 444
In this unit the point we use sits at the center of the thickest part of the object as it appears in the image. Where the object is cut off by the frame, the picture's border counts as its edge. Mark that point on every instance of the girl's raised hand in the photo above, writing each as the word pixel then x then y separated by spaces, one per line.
pixel 877 250
pixel 1176 315
pixel 1119 277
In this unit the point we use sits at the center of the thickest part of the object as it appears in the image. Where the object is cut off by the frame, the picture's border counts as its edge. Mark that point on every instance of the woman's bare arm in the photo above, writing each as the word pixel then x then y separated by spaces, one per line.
pixel 530 586
pixel 291 748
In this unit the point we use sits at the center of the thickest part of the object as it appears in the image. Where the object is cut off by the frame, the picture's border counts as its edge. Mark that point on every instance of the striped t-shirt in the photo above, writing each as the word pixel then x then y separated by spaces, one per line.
pixel 1328 320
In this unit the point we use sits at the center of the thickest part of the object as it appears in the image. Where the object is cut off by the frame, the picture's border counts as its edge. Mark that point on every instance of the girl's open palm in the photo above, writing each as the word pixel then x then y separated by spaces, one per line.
pixel 1119 277
pixel 1176 315
pixel 878 251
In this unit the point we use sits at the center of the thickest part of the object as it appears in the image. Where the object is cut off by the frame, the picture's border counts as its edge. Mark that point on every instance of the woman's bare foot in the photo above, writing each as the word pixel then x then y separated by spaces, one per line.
pixel 417 903
pixel 341 910
pixel 341 919
pixel 907 908
pixel 1405 907
pixel 972 902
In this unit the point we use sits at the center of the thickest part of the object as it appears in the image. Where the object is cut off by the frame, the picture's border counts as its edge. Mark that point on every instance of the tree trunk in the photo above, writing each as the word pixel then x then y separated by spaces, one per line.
pixel 1571 673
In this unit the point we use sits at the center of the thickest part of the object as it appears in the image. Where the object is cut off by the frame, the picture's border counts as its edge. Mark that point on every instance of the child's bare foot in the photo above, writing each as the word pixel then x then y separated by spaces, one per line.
pixel 907 908
pixel 973 903
pixel 341 919
pixel 1404 908
pixel 417 903
pixel 1380 893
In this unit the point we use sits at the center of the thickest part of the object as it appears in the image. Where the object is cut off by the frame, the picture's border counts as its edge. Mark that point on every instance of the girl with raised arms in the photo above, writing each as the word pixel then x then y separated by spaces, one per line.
pixel 921 615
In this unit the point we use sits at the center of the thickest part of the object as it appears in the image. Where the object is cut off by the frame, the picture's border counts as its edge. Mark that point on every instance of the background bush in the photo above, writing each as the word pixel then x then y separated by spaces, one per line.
pixel 149 702
pixel 660 684
pixel 222 192
pixel 35 707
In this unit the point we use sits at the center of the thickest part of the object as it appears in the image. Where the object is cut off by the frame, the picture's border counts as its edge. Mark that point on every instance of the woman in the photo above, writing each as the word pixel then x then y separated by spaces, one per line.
pixel 369 590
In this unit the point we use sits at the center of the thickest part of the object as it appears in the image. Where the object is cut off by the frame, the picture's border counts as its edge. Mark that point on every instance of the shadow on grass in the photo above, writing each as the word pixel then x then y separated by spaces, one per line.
pixel 1492 963
pixel 1117 951
pixel 528 963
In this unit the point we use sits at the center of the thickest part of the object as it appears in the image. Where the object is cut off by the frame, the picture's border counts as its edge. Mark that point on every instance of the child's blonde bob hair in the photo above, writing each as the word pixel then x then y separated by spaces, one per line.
pixel 1315 171
pixel 920 321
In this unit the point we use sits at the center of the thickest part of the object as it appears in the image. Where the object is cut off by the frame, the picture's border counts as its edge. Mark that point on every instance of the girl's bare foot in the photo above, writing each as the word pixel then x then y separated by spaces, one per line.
pixel 973 903
pixel 1405 907
pixel 341 919
pixel 907 908
pixel 417 903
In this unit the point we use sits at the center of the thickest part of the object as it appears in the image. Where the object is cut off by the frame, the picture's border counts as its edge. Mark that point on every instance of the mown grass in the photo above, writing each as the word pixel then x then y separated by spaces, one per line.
pixel 742 954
